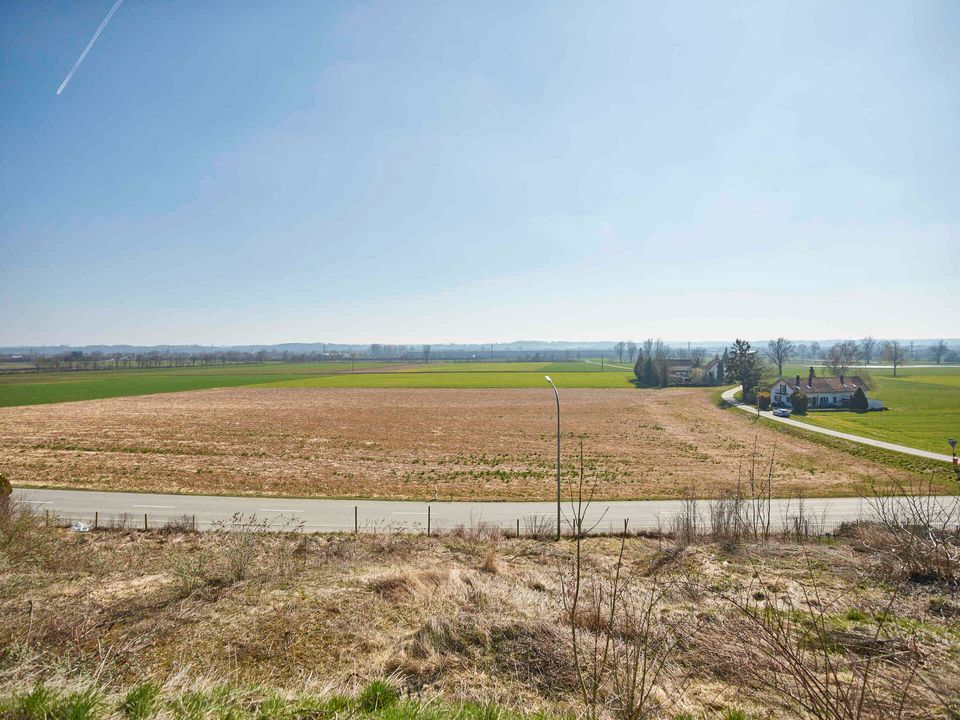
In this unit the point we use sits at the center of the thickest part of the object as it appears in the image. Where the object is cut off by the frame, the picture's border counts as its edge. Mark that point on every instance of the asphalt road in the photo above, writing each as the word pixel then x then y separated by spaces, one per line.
pixel 768 414
pixel 382 515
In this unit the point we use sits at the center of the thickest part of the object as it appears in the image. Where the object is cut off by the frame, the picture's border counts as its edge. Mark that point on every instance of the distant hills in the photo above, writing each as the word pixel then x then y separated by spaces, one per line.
pixel 332 347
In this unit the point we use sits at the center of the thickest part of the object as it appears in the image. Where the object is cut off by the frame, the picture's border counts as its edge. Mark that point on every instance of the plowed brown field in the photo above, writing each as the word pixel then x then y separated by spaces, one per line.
pixel 445 444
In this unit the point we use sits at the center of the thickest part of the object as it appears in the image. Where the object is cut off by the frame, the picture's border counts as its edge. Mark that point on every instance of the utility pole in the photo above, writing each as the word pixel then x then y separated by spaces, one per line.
pixel 557 394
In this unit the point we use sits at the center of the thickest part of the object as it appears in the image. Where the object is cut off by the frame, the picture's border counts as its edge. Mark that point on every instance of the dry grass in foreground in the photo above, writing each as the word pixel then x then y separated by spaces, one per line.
pixel 705 625
pixel 410 444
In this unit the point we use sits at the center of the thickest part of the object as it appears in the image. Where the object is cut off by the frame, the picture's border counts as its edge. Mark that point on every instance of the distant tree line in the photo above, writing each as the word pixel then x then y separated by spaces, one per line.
pixel 746 367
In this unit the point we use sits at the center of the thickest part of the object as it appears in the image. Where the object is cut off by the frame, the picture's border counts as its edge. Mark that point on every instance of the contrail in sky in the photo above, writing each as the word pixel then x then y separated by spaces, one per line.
pixel 89 45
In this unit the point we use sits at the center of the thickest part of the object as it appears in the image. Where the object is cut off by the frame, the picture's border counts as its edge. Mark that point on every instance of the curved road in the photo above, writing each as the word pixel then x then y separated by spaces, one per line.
pixel 727 396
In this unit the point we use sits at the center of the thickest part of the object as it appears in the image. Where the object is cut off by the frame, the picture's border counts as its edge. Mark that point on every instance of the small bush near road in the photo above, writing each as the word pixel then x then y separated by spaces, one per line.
pixel 798 401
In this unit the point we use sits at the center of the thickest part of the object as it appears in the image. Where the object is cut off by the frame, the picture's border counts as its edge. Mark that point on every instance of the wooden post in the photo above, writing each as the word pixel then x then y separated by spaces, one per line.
pixel 625 521
pixel 194 523
pixel 428 521
pixel 96 519
pixel 518 528
pixel 356 524
pixel 144 521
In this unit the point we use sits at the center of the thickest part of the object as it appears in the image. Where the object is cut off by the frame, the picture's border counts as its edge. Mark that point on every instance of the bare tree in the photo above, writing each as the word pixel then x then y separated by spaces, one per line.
pixel 781 350
pixel 938 350
pixel 648 347
pixel 698 355
pixel 622 642
pixel 842 356
pixel 814 350
pixel 631 350
pixel 867 347
pixel 619 349
pixel 426 353
pixel 894 353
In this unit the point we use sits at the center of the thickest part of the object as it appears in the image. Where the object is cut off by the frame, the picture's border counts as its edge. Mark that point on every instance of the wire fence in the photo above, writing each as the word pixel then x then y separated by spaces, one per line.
pixel 529 526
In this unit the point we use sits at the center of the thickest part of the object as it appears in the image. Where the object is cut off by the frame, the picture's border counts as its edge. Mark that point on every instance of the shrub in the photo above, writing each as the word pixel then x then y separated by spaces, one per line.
pixel 36 704
pixel 377 695
pixel 859 401
pixel 83 705
pixel 798 401
pixel 139 702
pixel 763 400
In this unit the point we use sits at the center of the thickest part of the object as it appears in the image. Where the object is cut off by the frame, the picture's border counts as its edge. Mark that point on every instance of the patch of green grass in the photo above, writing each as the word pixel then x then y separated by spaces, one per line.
pixel 41 703
pixel 140 701
pixel 377 701
pixel 444 379
pixel 377 695
pixel 940 473
pixel 40 388
pixel 923 409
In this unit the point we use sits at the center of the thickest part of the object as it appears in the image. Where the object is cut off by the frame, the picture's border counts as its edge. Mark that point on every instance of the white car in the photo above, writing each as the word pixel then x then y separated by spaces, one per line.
pixel 80 527
pixel 781 412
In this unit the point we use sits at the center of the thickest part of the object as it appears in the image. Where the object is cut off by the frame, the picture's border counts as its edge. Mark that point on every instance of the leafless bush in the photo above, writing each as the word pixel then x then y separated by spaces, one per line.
pixel 800 524
pixel 916 534
pixel 792 648
pixel 182 524
pixel 539 527
pixel 688 525
pixel 621 646
pixel 26 538
pixel 477 530
pixel 241 544
pixel 236 549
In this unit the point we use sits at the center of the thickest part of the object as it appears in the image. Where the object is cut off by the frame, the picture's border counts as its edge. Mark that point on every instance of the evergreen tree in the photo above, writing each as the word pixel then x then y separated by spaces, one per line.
pixel 743 366
pixel 859 400
pixel 798 401
pixel 649 375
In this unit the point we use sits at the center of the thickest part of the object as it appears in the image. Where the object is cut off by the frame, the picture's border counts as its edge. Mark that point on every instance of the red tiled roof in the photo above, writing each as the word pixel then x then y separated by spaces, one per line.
pixel 826 384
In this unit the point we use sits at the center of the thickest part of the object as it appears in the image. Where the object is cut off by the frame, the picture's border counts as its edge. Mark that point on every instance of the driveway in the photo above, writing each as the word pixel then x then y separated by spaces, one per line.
pixel 729 399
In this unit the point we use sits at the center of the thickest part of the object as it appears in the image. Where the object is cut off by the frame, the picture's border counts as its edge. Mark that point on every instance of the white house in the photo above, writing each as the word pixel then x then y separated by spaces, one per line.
pixel 821 392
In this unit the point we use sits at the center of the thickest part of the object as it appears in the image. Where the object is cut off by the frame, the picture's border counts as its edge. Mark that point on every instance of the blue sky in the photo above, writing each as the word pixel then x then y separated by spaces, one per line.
pixel 240 172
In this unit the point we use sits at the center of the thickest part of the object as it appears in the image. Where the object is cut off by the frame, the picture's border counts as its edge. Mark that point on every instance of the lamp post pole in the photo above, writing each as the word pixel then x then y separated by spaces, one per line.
pixel 557 394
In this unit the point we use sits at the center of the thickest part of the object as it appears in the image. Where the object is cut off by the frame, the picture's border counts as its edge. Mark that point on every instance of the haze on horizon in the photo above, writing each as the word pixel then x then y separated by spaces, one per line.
pixel 406 173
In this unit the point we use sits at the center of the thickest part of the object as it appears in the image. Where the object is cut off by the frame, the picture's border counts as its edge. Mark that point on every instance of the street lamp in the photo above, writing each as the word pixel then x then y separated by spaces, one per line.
pixel 557 394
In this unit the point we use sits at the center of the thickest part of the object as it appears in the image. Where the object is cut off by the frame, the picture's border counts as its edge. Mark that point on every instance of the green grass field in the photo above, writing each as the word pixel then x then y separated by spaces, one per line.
pixel 924 408
pixel 481 379
pixel 40 388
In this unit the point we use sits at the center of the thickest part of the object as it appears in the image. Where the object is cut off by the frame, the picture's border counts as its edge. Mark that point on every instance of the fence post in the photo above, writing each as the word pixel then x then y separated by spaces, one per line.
pixel 145 521
pixel 625 521
pixel 356 524
pixel 518 528
pixel 96 519
pixel 428 521
pixel 194 523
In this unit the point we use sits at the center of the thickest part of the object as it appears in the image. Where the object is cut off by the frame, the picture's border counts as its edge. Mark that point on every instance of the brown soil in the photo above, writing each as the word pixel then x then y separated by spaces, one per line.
pixel 411 443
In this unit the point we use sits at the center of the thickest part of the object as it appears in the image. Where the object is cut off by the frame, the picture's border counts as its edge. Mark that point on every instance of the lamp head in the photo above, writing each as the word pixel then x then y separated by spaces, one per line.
pixel 547 378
